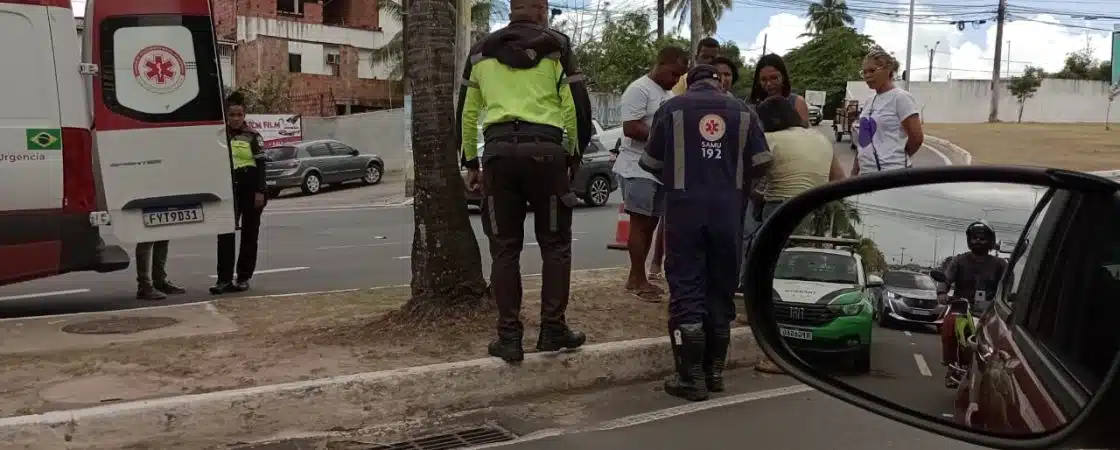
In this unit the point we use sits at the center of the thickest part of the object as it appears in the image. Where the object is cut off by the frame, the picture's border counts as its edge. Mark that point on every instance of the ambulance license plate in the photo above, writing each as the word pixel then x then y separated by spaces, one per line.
pixel 157 217
pixel 795 333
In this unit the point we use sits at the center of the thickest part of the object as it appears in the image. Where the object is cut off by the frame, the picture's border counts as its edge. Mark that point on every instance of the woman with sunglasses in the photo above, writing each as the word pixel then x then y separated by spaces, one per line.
pixel 890 130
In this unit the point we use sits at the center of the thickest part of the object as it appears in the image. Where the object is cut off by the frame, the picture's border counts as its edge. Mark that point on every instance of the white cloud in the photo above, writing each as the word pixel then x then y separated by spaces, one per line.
pixel 1032 43
pixel 781 34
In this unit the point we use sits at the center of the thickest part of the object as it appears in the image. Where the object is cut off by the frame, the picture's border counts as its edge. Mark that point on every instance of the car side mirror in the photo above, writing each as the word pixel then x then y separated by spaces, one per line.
pixel 808 320
pixel 938 276
pixel 874 281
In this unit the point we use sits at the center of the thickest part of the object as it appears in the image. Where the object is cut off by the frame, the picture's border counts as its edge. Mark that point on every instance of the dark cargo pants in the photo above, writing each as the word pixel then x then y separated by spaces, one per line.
pixel 522 176
pixel 702 255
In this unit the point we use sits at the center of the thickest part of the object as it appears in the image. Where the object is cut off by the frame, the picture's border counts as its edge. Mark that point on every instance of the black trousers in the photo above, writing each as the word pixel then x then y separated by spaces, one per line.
pixel 519 177
pixel 246 212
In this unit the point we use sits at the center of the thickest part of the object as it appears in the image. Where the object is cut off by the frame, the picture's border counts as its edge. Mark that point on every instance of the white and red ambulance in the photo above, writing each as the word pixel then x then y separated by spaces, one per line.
pixel 118 135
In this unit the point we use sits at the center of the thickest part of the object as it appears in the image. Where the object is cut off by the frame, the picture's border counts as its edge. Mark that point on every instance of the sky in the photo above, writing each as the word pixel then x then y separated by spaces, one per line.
pixel 1035 38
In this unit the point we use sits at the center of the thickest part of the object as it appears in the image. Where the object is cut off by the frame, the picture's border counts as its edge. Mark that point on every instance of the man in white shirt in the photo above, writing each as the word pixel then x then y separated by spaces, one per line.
pixel 641 191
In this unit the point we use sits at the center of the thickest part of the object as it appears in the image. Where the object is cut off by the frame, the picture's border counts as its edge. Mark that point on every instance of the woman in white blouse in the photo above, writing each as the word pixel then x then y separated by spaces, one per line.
pixel 890 131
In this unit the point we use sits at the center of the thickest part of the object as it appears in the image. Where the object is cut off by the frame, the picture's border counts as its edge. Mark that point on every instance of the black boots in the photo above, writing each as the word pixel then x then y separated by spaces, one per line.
pixel 688 342
pixel 715 355
pixel 509 348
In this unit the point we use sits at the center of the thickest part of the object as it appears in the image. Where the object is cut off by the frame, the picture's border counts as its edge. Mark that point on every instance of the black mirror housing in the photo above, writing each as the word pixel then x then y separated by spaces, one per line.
pixel 1093 428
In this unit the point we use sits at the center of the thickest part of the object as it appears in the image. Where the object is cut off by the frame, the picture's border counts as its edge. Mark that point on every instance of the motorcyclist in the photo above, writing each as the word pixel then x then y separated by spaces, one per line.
pixel 974 277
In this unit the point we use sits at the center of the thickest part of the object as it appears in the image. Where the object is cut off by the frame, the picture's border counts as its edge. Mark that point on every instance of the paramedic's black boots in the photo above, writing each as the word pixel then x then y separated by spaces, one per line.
pixel 688 356
pixel 715 356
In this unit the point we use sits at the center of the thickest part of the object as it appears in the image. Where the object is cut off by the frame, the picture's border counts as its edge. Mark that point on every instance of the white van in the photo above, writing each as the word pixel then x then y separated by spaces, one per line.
pixel 155 168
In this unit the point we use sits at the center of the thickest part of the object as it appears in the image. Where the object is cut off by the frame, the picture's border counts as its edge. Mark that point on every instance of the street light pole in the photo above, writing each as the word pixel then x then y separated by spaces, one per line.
pixel 931 52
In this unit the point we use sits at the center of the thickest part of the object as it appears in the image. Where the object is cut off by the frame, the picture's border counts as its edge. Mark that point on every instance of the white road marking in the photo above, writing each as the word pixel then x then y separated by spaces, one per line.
pixel 328 209
pixel 44 294
pixel 537 244
pixel 282 269
pixel 336 247
pixel 667 413
pixel 948 162
pixel 404 257
pixel 922 366
pixel 907 333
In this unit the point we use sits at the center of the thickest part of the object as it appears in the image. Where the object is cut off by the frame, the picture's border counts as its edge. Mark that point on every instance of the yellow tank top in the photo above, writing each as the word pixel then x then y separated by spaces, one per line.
pixel 802 159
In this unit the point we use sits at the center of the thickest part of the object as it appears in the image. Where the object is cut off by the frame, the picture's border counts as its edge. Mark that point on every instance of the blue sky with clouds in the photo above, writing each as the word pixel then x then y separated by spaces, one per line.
pixel 1041 33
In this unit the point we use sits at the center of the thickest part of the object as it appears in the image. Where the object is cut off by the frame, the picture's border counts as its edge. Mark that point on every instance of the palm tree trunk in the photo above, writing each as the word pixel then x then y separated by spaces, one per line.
pixel 696 23
pixel 446 263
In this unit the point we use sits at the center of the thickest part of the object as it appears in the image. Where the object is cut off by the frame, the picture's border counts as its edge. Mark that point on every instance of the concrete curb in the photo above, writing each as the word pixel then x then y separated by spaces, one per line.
pixel 346 402
pixel 954 152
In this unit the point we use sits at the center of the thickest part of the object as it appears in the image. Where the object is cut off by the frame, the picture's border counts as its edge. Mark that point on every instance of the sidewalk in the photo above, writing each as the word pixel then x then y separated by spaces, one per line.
pixel 253 368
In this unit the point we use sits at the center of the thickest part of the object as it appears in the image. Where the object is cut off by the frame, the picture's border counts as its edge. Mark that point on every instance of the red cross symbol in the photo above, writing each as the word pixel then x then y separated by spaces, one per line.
pixel 159 70
pixel 711 127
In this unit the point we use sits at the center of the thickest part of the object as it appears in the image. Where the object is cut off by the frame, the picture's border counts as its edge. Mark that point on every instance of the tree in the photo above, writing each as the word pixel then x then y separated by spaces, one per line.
pixel 1024 87
pixel 826 15
pixel 827 62
pixel 710 12
pixel 268 94
pixel 1081 65
pixel 873 259
pixel 390 53
pixel 624 52
pixel 446 264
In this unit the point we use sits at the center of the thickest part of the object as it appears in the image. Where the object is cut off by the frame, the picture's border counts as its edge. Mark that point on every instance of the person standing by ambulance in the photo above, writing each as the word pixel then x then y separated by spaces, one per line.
pixel 537 121
pixel 705 147
pixel 246 148
pixel 151 272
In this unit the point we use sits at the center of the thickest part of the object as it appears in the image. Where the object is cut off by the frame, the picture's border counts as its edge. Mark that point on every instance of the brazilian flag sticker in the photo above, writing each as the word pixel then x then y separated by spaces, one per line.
pixel 44 139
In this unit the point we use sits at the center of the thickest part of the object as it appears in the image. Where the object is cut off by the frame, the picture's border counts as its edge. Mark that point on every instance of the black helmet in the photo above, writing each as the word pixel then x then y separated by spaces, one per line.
pixel 980 237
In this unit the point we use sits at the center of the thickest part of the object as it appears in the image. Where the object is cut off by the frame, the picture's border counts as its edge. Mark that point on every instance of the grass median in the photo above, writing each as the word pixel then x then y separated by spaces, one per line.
pixel 285 339
pixel 1085 147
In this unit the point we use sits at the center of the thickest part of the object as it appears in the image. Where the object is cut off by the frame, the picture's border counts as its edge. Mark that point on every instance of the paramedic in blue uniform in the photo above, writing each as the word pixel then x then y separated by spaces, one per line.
pixel 704 145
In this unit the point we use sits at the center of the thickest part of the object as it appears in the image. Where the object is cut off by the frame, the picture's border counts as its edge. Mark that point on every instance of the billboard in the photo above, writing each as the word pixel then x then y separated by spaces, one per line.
pixel 277 129
pixel 1116 55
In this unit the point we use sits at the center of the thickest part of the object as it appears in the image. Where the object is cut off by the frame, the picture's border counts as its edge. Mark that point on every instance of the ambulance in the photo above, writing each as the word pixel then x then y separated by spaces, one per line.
pixel 115 137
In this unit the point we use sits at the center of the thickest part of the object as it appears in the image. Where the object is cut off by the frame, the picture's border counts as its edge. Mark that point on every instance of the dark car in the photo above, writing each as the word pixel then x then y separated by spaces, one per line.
pixel 908 297
pixel 1050 332
pixel 310 165
pixel 593 183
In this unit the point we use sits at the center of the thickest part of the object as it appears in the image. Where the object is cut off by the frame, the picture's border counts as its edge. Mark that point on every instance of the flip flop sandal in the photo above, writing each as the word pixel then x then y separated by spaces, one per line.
pixel 656 276
pixel 647 294
pixel 768 366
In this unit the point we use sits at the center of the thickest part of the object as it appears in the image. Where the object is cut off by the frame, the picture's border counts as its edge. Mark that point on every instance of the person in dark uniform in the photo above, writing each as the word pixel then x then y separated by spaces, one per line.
pixel 247 153
pixel 705 146
pixel 538 118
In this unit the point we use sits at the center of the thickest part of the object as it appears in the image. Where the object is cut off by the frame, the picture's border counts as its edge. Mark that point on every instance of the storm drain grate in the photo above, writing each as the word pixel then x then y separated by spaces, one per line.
pixel 120 325
pixel 449 441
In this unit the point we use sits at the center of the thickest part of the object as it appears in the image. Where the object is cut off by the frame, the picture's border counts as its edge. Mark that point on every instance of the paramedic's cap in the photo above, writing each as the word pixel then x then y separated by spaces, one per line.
pixel 702 72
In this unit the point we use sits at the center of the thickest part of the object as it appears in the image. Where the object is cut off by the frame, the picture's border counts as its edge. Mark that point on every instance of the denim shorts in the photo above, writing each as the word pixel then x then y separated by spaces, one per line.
pixel 642 196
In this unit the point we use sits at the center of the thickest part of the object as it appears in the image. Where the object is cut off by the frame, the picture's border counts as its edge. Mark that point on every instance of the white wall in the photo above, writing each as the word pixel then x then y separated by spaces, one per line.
pixel 967 101
pixel 248 28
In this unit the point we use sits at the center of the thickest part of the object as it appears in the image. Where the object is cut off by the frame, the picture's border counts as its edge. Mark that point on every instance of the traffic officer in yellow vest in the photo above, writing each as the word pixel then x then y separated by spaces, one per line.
pixel 537 121
pixel 247 152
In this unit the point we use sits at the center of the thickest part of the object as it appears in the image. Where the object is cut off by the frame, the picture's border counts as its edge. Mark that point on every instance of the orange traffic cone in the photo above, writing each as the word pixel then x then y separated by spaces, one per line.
pixel 621 231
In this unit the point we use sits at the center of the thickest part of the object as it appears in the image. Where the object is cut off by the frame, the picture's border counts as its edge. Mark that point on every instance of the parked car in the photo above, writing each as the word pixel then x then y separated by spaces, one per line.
pixel 311 165
pixel 908 297
pixel 593 183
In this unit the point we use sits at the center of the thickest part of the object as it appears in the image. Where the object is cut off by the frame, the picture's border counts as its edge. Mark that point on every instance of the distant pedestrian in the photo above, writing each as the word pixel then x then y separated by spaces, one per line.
pixel 707 51
pixel 525 82
pixel 771 79
pixel 890 130
pixel 705 146
pixel 246 148
pixel 642 196
pixel 151 272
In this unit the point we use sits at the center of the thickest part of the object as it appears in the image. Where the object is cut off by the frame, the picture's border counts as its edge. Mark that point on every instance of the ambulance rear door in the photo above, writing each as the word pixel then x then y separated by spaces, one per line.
pixel 164 171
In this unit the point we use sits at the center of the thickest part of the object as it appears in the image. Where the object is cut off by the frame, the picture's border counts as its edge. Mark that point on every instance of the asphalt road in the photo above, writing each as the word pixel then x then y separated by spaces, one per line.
pixel 315 248
pixel 772 412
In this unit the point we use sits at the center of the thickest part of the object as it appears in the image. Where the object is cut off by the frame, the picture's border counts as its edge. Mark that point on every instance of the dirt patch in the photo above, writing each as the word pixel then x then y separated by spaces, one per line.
pixel 1085 147
pixel 286 339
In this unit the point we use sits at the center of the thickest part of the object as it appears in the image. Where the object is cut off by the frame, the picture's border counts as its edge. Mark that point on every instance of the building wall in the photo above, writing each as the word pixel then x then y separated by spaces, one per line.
pixel 967 101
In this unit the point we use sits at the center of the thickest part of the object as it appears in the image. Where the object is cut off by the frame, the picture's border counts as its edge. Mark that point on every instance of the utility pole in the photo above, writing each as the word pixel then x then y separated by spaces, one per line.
pixel 902 255
pixel 931 52
pixel 993 108
pixel 695 24
pixel 909 48
pixel 765 38
pixel 1008 69
pixel 660 19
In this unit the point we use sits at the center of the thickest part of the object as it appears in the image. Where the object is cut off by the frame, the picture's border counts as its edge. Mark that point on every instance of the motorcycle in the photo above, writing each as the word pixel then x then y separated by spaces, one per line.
pixel 964 328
